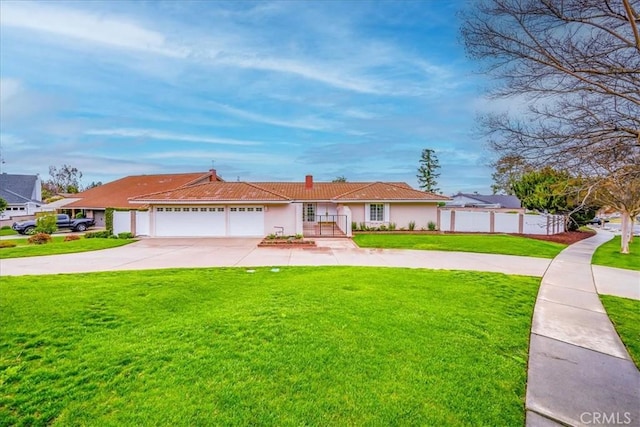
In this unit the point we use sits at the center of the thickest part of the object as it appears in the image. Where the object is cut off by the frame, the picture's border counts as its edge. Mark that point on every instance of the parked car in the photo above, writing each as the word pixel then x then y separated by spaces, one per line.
pixel 62 221
pixel 597 221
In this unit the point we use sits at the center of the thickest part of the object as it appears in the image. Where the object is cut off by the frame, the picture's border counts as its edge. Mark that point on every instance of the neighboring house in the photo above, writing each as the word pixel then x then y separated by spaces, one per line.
pixel 23 194
pixel 475 200
pixel 116 194
pixel 261 208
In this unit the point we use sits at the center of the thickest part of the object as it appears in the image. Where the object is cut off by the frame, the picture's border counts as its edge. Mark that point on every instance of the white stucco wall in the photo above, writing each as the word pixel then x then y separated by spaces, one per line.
pixel 281 216
pixel 421 213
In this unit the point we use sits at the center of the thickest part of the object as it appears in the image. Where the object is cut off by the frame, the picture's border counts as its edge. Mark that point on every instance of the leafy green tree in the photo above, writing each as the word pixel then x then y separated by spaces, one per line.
pixel 544 190
pixel 3 205
pixel 66 179
pixel 340 178
pixel 428 171
pixel 46 222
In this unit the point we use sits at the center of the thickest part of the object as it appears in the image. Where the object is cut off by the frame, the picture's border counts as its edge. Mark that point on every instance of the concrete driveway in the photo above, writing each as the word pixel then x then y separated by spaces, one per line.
pixel 238 252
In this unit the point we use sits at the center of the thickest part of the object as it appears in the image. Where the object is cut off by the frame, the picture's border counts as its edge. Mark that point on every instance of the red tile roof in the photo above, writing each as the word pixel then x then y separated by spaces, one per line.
pixel 116 194
pixel 285 191
pixel 215 192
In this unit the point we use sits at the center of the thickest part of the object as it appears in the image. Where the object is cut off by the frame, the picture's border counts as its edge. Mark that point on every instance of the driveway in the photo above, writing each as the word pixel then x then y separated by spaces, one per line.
pixel 239 252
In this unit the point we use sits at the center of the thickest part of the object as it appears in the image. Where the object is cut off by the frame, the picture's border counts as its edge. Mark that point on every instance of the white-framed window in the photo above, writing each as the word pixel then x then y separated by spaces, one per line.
pixel 212 209
pixel 159 209
pixel 258 209
pixel 233 209
pixel 168 209
pixel 220 209
pixel 249 209
pixel 194 209
pixel 376 212
pixel 241 209
pixel 177 209
pixel 203 209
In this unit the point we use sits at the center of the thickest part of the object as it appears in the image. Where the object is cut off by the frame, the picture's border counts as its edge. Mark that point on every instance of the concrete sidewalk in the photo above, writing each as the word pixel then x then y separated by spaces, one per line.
pixel 579 371
pixel 182 253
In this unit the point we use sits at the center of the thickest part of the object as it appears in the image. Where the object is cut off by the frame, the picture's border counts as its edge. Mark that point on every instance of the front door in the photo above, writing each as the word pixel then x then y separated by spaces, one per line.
pixel 309 212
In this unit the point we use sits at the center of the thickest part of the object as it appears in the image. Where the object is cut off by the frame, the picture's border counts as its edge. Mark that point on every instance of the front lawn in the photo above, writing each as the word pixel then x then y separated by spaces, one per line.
pixel 609 255
pixel 59 246
pixel 297 346
pixel 625 315
pixel 483 243
pixel 7 232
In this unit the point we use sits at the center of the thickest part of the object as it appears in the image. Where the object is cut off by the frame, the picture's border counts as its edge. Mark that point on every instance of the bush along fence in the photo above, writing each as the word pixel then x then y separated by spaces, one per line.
pixel 459 220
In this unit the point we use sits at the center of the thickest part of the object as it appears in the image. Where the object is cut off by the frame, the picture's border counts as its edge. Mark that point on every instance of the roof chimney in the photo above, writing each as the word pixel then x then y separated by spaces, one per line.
pixel 308 182
pixel 213 177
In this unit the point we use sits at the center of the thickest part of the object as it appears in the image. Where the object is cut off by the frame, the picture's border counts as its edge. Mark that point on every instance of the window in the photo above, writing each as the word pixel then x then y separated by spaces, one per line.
pixel 220 209
pixel 249 209
pixel 212 209
pixel 376 212
pixel 241 209
pixel 233 209
pixel 159 209
pixel 258 209
pixel 203 209
pixel 194 209
pixel 169 209
pixel 177 209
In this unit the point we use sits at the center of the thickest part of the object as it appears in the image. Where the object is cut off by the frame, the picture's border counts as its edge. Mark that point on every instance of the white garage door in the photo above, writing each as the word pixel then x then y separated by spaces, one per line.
pixel 182 221
pixel 246 221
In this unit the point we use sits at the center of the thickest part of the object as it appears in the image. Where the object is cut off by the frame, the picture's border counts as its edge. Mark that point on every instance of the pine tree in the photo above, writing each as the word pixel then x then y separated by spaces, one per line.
pixel 427 172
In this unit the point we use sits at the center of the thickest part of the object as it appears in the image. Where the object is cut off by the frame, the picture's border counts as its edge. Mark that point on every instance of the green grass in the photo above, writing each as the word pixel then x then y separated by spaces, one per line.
pixel 609 255
pixel 59 246
pixel 483 243
pixel 625 315
pixel 303 346
pixel 7 232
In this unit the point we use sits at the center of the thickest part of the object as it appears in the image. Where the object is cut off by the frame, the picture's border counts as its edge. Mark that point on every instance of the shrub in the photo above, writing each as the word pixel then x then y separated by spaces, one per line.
pixel 125 235
pixel 113 236
pixel 392 226
pixel 71 238
pixel 6 244
pixel 46 223
pixel 299 236
pixel 272 236
pixel 432 226
pixel 39 239
pixel 108 220
pixel 382 227
pixel 5 227
pixel 363 226
pixel 412 225
pixel 97 235
pixel 354 226
pixel 79 215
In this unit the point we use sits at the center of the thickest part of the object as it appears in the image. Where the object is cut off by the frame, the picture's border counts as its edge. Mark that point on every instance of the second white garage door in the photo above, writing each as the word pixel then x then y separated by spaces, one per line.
pixel 246 221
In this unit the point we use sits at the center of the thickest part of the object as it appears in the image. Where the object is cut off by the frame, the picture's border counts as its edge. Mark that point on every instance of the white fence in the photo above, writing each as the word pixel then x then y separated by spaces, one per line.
pixel 136 222
pixel 499 222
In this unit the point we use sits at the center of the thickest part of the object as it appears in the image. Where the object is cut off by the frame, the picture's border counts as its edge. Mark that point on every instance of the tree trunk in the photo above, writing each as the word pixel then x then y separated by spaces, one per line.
pixel 625 232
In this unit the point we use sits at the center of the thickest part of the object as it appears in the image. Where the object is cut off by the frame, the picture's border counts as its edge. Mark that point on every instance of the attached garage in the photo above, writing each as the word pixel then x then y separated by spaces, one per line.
pixel 210 221
pixel 185 221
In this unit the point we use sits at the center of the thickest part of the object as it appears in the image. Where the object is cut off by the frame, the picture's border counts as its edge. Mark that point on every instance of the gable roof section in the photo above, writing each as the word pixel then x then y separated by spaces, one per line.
pixel 389 191
pixel 18 189
pixel 290 191
pixel 116 194
pixel 215 192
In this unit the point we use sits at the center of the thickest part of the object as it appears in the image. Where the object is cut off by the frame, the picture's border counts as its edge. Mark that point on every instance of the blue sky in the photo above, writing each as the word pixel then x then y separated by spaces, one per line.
pixel 267 90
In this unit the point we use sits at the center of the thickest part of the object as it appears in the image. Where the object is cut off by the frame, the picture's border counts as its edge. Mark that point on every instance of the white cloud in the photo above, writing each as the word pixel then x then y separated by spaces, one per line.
pixel 9 88
pixel 253 158
pixel 309 123
pixel 167 136
pixel 88 27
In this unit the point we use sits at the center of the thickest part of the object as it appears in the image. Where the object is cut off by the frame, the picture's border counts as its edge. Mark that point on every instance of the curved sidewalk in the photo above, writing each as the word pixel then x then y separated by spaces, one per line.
pixel 579 371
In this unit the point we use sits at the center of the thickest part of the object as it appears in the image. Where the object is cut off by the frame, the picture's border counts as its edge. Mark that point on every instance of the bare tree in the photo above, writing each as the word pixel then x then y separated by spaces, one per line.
pixel 577 62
